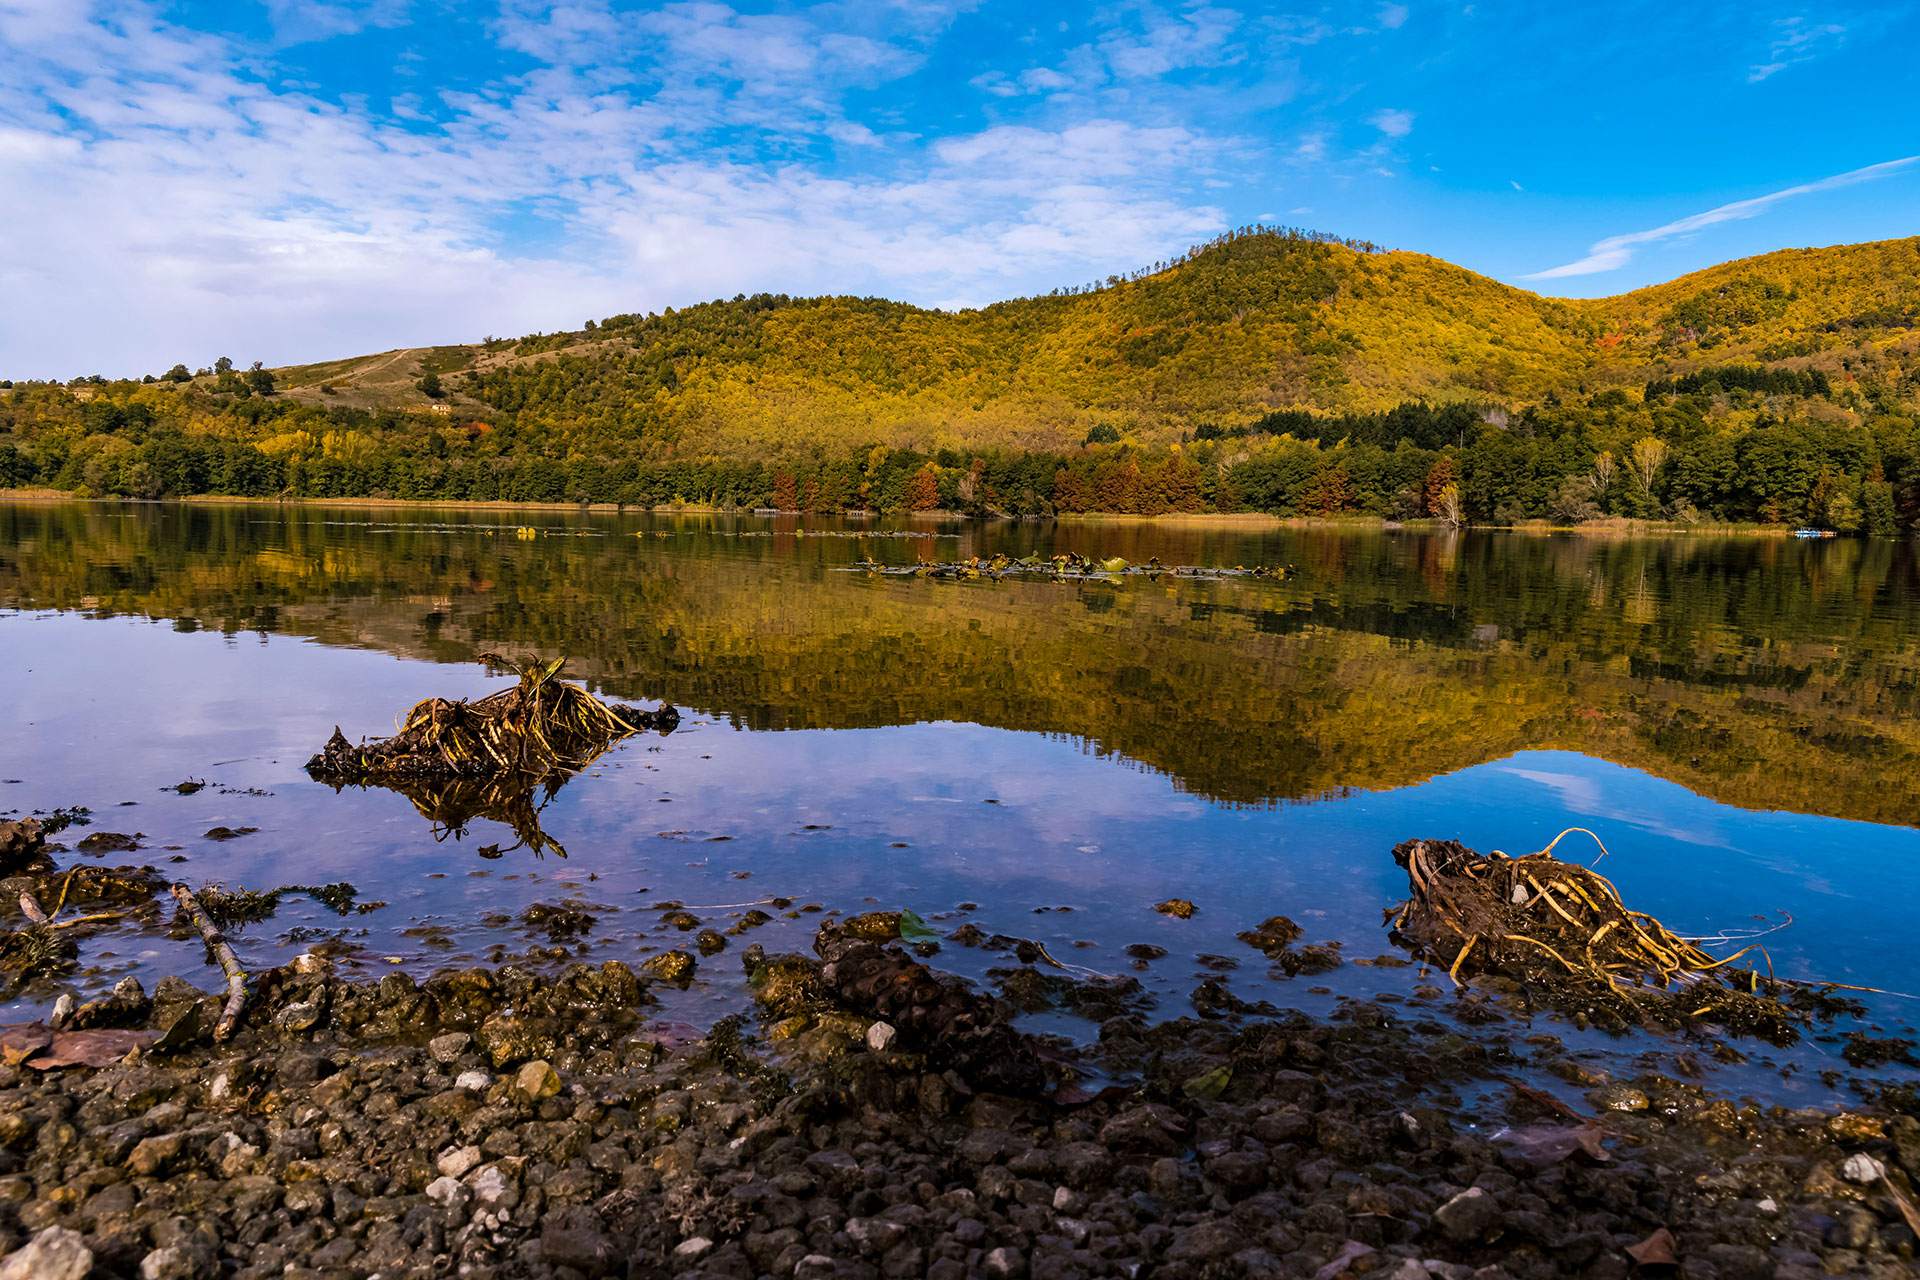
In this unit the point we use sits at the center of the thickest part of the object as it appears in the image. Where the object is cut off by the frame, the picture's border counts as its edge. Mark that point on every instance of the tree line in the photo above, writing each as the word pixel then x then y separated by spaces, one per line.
pixel 1676 457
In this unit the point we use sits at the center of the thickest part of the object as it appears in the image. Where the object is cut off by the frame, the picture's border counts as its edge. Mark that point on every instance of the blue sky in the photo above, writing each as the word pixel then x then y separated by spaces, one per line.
pixel 292 180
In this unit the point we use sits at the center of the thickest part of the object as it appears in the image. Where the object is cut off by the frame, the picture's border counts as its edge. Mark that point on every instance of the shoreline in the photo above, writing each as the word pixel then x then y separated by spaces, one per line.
pixel 1608 527
pixel 502 1126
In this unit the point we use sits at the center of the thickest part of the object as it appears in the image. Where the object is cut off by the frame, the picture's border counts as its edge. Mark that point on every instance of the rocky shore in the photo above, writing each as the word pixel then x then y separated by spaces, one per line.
pixel 493 1123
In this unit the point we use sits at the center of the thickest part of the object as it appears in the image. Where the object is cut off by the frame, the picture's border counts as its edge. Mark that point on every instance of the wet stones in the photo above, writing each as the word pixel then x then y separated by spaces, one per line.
pixel 1614 1095
pixel 506 1038
pixel 674 967
pixel 560 921
pixel 1272 935
pixel 1178 908
pixel 20 844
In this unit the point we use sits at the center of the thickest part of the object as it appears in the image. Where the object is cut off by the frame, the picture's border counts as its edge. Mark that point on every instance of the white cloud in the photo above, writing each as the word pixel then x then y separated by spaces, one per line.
pixel 1796 40
pixel 1615 252
pixel 187 207
pixel 1393 123
pixel 1392 16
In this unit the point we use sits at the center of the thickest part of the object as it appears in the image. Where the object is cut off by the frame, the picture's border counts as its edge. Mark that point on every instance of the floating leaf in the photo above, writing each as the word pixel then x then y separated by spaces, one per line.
pixel 913 928
pixel 1658 1250
pixel 1207 1087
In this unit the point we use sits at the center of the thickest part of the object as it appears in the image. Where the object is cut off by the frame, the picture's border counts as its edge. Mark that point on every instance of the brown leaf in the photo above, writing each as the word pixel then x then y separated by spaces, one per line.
pixel 1541 1098
pixel 1658 1250
pixel 92 1048
pixel 17 1044
pixel 1549 1144
pixel 1349 1253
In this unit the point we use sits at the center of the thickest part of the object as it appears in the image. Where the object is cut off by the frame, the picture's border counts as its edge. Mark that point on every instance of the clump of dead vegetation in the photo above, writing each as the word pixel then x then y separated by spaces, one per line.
pixel 539 727
pixel 1561 933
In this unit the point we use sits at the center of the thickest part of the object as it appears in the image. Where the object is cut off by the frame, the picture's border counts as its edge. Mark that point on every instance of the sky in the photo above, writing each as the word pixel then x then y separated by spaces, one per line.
pixel 298 180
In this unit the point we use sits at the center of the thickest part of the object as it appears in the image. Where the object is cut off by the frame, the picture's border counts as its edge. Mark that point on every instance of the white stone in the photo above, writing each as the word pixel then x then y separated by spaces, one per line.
pixel 880 1035
pixel 54 1254
pixel 307 962
pixel 456 1161
pixel 692 1249
pixel 490 1186
pixel 474 1080
pixel 1863 1169
pixel 447 1191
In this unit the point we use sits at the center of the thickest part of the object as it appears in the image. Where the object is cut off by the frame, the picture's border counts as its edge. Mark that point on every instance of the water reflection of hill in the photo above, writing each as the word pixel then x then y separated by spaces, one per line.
pixel 1762 673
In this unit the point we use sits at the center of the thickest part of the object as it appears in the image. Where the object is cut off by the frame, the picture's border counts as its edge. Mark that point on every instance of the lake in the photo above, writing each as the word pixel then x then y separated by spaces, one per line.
pixel 1734 717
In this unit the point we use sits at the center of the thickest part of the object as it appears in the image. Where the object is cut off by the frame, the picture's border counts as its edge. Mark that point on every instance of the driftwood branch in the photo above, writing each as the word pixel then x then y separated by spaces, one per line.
pixel 229 965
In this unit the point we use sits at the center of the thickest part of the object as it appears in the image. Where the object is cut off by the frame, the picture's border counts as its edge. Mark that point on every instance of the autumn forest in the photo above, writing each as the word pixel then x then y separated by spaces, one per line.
pixel 1271 371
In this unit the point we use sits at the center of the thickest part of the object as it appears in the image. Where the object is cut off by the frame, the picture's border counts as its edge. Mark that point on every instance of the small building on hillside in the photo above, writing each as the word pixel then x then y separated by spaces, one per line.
pixel 440 408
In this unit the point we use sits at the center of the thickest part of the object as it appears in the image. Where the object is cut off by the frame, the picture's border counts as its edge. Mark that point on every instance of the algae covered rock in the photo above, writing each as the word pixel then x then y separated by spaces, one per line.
pixel 675 967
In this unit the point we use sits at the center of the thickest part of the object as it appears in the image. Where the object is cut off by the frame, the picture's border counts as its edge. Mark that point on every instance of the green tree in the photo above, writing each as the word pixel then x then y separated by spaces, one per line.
pixel 259 381
pixel 430 387
pixel 223 365
pixel 177 374
pixel 1876 507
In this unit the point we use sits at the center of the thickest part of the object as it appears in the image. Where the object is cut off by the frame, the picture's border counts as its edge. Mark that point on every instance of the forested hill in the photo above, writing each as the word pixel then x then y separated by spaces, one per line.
pixel 1257 321
pixel 1275 336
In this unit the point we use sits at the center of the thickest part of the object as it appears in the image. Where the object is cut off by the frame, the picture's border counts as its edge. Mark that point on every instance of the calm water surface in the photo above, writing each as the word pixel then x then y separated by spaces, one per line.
pixel 1735 718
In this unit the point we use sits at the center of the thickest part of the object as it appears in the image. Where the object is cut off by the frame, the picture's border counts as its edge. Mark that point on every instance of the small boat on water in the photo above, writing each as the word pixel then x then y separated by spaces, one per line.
pixel 1813 533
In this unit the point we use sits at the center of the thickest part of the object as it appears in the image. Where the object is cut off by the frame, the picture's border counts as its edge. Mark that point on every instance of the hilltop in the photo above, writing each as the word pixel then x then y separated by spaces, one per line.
pixel 1255 322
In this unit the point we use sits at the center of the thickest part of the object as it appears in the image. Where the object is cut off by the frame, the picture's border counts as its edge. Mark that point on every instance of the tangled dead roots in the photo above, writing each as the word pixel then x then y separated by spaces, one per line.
pixel 1561 931
pixel 539 727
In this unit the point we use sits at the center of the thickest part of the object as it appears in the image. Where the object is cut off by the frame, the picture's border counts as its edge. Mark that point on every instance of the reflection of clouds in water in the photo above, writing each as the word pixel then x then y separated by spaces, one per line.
pixel 1597 795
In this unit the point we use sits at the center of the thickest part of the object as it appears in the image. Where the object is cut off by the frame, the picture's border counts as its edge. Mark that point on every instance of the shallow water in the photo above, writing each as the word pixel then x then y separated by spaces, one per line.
pixel 1735 718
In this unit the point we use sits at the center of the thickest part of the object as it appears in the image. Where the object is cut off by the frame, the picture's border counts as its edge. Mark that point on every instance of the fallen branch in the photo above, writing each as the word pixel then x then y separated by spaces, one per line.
pixel 229 965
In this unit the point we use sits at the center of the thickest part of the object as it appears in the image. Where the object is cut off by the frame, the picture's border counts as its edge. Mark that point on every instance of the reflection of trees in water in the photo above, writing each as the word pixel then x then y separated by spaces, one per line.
pixel 1757 671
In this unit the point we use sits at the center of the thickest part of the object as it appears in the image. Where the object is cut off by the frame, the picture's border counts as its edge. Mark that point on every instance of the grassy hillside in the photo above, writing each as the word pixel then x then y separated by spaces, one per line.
pixel 1255 322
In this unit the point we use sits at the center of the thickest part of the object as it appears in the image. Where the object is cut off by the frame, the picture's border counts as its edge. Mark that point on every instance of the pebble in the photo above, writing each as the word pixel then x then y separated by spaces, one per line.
pixel 54 1254
pixel 449 1191
pixel 1468 1216
pixel 880 1035
pixel 448 1048
pixel 1863 1169
pixel 537 1080
pixel 455 1162
pixel 473 1081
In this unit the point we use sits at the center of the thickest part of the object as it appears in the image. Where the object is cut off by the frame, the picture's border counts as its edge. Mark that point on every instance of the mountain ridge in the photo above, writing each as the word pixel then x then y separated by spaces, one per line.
pixel 1253 322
